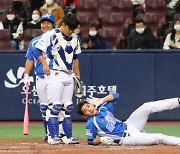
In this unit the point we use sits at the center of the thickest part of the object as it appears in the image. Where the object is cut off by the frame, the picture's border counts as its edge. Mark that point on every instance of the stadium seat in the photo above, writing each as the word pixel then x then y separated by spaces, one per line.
pixel 5 39
pixel 103 2
pixel 123 7
pixel 4 4
pixel 158 7
pixel 113 22
pixel 88 7
pixel 110 35
pixel 84 23
pixel 29 34
pixel 104 11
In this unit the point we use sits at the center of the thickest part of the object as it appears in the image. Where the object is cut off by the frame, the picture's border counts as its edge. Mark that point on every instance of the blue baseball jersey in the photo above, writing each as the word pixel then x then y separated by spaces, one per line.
pixel 104 123
pixel 30 55
pixel 60 49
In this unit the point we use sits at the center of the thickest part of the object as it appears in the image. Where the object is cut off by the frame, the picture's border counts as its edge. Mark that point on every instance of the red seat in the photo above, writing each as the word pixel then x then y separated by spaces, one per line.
pixel 110 34
pixel 113 27
pixel 86 12
pixel 5 39
pixel 123 7
pixel 4 4
pixel 29 34
pixel 158 7
pixel 84 23
pixel 88 7
pixel 113 20
pixel 104 11
pixel 102 2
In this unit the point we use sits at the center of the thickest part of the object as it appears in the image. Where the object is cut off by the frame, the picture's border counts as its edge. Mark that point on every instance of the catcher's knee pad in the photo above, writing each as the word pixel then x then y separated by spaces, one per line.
pixel 55 108
pixel 68 106
pixel 43 109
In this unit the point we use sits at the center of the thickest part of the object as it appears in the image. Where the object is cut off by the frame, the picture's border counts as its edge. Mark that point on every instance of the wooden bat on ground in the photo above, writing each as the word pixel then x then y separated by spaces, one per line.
pixel 26 114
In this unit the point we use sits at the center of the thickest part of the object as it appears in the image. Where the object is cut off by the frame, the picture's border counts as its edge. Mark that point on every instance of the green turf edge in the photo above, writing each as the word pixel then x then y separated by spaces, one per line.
pixel 15 132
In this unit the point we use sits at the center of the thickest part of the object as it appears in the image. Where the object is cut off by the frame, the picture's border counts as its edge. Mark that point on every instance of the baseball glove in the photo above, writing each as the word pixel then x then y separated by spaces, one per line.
pixel 78 87
pixel 95 101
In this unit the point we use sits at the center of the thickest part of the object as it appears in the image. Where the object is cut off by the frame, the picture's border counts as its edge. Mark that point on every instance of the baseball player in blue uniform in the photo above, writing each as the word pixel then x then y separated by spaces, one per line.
pixel 61 48
pixel 47 23
pixel 101 122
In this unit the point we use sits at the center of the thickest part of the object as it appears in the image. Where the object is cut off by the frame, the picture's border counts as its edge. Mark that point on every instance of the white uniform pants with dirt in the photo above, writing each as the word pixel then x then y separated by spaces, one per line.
pixel 138 119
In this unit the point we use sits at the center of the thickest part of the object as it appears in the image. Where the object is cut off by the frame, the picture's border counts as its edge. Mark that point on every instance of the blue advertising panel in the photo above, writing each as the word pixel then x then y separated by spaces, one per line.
pixel 138 77
pixel 13 91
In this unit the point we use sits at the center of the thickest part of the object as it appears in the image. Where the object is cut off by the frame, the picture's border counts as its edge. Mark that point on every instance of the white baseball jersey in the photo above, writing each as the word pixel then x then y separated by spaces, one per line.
pixel 60 52
pixel 60 49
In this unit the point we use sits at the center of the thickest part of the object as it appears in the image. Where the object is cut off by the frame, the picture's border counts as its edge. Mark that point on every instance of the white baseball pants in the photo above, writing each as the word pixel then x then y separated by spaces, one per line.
pixel 138 119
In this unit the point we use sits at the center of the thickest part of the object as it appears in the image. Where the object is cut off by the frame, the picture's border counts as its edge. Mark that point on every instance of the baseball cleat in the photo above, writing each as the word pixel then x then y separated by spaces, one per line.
pixel 74 140
pixel 54 141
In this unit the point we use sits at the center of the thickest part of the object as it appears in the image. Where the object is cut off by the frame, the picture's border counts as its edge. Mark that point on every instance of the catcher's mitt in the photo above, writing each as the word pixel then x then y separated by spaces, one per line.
pixel 78 87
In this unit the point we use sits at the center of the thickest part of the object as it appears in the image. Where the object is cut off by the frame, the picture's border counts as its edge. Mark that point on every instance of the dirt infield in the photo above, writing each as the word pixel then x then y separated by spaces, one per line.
pixel 41 147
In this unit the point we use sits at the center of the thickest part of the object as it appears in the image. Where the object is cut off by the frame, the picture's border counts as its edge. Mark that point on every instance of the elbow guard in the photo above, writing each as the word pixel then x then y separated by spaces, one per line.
pixel 115 96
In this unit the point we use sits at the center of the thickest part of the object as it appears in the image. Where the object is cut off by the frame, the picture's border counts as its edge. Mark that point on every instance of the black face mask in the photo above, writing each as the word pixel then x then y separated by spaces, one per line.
pixel 17 4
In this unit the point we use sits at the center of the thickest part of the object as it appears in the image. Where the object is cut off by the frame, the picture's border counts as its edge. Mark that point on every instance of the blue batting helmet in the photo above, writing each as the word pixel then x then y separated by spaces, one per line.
pixel 48 17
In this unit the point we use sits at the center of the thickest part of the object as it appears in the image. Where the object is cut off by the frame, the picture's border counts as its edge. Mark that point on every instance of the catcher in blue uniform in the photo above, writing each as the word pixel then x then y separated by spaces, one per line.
pixel 101 122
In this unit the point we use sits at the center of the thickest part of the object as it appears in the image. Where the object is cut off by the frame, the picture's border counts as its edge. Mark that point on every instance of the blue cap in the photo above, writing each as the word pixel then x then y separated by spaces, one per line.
pixel 48 17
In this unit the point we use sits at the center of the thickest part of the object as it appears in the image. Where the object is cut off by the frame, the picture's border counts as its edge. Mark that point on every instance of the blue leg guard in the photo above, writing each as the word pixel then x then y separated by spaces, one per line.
pixel 67 123
pixel 67 126
pixel 53 126
pixel 53 122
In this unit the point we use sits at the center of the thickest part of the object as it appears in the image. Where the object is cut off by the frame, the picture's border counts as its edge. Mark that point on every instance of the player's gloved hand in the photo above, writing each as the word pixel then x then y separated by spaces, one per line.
pixel 106 140
pixel 95 101
pixel 26 79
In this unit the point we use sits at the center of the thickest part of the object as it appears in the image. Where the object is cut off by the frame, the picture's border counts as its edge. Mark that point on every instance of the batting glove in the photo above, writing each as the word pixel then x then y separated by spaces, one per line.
pixel 95 101
pixel 106 140
pixel 26 79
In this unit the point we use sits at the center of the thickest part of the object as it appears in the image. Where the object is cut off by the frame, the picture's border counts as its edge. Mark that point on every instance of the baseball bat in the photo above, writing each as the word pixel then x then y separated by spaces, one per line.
pixel 26 114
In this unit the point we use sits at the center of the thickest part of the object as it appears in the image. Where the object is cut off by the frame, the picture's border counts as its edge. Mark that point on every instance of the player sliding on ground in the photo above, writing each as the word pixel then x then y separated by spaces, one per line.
pixel 101 122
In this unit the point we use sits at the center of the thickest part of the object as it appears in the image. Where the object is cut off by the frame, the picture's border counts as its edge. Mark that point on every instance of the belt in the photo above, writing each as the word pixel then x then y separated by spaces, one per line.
pixel 123 135
pixel 68 72
pixel 125 128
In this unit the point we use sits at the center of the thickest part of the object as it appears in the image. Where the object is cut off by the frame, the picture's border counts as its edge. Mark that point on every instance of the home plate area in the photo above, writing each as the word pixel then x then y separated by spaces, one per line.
pixel 41 147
